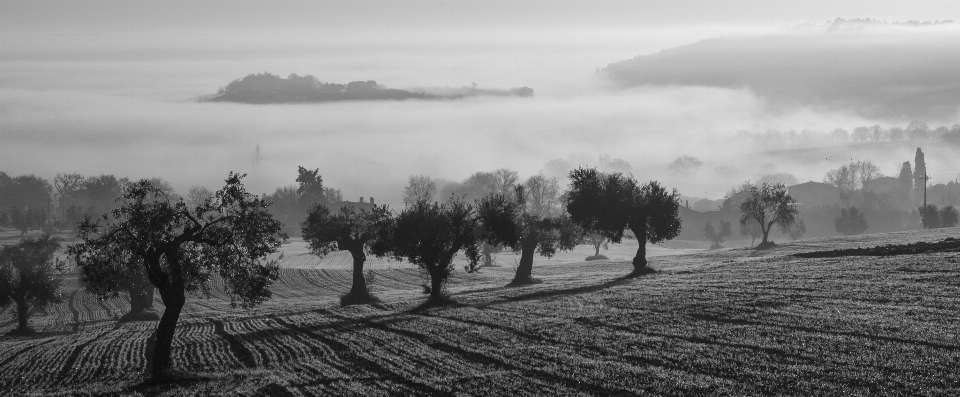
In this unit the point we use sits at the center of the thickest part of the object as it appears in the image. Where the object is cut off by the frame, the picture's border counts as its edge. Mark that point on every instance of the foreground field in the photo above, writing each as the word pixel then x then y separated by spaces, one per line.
pixel 719 322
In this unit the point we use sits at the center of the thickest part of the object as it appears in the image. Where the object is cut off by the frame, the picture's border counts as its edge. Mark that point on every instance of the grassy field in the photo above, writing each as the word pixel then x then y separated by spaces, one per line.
pixel 720 322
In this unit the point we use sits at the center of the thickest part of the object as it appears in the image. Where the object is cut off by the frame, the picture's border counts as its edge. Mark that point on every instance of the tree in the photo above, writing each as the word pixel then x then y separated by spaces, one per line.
pixel 596 240
pixel 861 134
pixel 68 187
pixel 751 229
pixel 31 195
pixel 715 236
pixel 352 230
pixel 120 270
pixel 919 176
pixel 918 130
pixel 929 216
pixel 608 203
pixel 27 276
pixel 530 221
pixel 904 184
pixel 840 135
pixel 231 234
pixel 429 235
pixel 684 165
pixel 655 217
pixel 865 171
pixel 197 194
pixel 948 216
pixel 310 187
pixel 419 188
pixel 795 230
pixel 850 222
pixel 768 205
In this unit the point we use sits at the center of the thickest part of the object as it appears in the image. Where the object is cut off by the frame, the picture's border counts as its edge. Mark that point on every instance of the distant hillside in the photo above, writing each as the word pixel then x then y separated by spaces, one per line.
pixel 875 69
pixel 270 88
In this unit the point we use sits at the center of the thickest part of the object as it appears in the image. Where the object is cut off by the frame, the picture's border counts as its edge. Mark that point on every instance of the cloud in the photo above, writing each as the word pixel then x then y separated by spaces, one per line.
pixel 880 71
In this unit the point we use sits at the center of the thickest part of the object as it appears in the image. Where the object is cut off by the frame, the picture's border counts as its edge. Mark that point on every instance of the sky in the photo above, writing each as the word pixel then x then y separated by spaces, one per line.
pixel 111 87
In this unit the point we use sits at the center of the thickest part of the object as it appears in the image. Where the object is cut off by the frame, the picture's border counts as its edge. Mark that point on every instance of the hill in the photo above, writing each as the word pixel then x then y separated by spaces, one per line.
pixel 270 88
pixel 732 321
pixel 875 69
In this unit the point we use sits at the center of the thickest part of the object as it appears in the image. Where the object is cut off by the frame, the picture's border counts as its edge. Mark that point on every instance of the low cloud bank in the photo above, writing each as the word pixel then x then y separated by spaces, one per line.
pixel 876 70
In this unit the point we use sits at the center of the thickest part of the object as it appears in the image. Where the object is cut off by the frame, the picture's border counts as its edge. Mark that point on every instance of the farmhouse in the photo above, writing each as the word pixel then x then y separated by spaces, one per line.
pixel 815 194
pixel 882 184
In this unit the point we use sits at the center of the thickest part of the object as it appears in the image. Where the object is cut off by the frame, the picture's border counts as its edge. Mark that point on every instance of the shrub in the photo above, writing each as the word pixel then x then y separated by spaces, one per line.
pixel 850 222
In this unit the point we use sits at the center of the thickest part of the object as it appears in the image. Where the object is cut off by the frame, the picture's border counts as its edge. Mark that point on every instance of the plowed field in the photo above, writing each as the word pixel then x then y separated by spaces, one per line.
pixel 723 322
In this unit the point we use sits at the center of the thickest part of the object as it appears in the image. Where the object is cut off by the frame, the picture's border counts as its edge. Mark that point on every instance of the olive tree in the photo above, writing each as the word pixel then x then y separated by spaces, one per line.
pixel 181 247
pixel 352 230
pixel 529 222
pixel 28 277
pixel 608 203
pixel 768 205
pixel 430 235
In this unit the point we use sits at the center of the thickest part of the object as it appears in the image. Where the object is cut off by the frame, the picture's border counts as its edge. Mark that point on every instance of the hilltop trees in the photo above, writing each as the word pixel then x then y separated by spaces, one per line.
pixel 352 230
pixel 609 203
pixel 429 235
pixel 529 221
pixel 768 205
pixel 181 247
pixel 27 277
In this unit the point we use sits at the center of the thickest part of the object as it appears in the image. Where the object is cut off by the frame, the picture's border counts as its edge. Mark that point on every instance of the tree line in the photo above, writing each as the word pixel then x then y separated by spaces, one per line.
pixel 153 240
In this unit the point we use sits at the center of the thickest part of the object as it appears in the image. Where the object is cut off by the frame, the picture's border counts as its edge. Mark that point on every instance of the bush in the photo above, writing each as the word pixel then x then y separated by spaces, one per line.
pixel 850 222
pixel 596 258
pixel 929 216
pixel 948 216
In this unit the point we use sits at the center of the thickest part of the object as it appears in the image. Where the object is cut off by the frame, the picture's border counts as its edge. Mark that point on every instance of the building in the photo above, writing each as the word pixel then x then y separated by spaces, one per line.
pixel 814 194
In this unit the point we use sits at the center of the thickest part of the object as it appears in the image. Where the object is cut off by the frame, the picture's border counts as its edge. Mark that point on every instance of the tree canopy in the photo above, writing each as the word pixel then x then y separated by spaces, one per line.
pixel 768 205
pixel 28 276
pixel 181 247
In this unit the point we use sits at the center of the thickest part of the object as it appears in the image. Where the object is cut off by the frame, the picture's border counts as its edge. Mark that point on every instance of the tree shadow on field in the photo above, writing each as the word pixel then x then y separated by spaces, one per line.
pixel 622 280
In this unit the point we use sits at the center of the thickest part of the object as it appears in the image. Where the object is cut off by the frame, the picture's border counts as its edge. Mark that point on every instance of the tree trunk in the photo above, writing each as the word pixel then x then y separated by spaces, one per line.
pixel 597 246
pixel 147 303
pixel 173 298
pixel 525 269
pixel 436 286
pixel 640 260
pixel 23 309
pixel 136 298
pixel 359 289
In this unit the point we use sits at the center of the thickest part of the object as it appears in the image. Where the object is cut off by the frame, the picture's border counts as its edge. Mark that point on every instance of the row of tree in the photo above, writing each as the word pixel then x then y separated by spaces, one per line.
pixel 152 240
pixel 916 130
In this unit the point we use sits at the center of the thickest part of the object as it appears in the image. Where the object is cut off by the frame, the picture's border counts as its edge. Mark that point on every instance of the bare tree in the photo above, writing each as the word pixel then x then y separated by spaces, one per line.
pixel 419 188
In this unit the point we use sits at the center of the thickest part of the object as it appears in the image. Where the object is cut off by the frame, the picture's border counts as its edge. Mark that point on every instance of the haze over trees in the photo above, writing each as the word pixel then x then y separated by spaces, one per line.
pixel 717 236
pixel 181 248
pixel 28 277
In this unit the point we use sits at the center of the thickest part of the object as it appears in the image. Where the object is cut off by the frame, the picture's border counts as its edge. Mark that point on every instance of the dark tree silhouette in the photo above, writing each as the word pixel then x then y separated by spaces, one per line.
pixel 654 218
pixel 768 205
pixel 526 225
pixel 429 235
pixel 919 175
pixel 608 203
pixel 27 277
pixel 311 187
pixel 231 233
pixel 850 222
pixel 352 230
pixel 948 216
pixel 929 216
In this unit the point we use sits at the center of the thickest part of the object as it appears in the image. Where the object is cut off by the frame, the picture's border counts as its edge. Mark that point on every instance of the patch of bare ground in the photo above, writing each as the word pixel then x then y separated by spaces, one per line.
pixel 721 322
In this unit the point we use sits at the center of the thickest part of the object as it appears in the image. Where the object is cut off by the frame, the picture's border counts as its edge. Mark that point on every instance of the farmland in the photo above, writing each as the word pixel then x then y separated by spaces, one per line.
pixel 732 321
